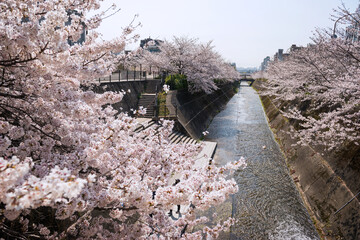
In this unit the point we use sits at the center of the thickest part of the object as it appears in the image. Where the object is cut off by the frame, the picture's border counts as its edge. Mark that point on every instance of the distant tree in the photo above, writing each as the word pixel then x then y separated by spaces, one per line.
pixel 198 62
pixel 322 82
pixel 71 168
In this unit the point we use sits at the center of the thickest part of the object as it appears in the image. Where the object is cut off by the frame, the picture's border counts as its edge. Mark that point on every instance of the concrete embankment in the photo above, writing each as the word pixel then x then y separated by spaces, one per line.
pixel 327 182
pixel 196 111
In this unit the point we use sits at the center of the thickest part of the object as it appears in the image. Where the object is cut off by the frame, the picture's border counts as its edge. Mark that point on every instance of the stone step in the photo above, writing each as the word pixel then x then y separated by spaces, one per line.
pixel 174 136
pixel 177 138
pixel 180 139
pixel 147 97
pixel 148 101
pixel 171 134
pixel 187 140
pixel 145 125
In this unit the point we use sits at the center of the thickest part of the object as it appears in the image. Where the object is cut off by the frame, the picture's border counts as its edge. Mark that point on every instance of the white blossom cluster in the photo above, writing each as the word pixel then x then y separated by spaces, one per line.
pixel 19 192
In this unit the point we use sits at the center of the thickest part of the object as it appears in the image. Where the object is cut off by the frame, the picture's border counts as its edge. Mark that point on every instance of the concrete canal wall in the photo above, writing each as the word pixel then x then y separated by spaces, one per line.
pixel 327 182
pixel 196 111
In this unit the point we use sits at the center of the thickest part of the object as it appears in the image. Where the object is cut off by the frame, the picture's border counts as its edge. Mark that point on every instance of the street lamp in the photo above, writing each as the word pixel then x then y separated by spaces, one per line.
pixel 334 35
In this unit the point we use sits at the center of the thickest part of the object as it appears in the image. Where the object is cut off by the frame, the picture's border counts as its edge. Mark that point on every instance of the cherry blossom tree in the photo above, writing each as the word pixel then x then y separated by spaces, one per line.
pixel 198 62
pixel 71 166
pixel 321 84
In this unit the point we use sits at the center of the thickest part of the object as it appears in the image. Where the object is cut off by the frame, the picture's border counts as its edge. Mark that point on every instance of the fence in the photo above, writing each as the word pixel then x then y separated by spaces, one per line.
pixel 128 75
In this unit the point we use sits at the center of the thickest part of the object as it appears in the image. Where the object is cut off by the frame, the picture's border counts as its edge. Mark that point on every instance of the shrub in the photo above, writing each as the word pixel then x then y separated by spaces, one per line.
pixel 177 82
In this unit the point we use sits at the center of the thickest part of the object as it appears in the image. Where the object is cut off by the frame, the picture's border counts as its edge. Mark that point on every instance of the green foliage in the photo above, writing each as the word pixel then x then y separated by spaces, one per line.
pixel 161 100
pixel 262 79
pixel 219 81
pixel 177 82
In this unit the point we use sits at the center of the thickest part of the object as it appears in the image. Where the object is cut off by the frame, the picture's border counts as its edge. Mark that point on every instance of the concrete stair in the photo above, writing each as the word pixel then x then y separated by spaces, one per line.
pixel 147 100
pixel 144 125
pixel 174 137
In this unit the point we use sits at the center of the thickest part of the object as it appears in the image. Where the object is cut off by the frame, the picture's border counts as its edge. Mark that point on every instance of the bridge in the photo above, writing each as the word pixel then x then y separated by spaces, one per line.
pixel 246 78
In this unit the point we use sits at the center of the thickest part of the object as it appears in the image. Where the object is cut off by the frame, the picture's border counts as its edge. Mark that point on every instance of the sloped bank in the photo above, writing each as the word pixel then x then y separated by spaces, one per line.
pixel 326 185
pixel 196 111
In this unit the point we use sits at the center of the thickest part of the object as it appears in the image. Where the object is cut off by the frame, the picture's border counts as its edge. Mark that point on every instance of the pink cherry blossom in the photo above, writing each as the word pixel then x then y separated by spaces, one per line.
pixel 67 154
pixel 317 87
pixel 197 61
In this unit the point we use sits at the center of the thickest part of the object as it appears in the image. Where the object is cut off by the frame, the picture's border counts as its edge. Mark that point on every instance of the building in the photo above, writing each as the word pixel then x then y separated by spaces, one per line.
pixel 152 45
pixel 294 48
pixel 279 55
pixel 352 32
pixel 265 63
pixel 84 32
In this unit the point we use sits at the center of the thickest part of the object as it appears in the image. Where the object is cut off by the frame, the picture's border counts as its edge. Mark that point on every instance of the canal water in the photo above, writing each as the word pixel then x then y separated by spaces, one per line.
pixel 267 205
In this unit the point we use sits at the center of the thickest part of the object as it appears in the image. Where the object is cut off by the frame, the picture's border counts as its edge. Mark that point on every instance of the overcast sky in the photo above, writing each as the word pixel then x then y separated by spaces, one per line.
pixel 242 31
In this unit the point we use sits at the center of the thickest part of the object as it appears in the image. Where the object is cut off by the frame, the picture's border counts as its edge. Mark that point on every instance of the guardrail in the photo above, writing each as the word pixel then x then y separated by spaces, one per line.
pixel 127 75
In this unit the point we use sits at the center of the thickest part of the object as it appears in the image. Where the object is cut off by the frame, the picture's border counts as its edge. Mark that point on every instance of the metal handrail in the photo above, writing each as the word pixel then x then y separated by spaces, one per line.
pixel 126 75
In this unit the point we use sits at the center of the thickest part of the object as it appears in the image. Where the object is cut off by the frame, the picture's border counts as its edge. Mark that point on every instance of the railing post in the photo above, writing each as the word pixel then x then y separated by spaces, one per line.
pixel 119 75
pixel 156 108
pixel 110 77
pixel 140 71
pixel 176 109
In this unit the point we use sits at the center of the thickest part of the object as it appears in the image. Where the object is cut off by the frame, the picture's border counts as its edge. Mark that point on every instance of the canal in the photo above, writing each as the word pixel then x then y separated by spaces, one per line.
pixel 267 205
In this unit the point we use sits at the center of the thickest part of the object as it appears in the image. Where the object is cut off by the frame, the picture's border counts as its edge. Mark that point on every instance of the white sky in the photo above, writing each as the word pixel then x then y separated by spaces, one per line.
pixel 243 31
